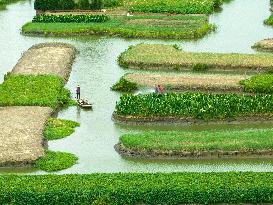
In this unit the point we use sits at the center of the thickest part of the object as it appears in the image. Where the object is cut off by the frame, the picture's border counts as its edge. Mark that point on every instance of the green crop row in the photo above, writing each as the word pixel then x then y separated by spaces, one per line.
pixel 194 105
pixel 134 188
pixel 174 6
pixel 198 141
pixel 29 90
pixel 70 18
pixel 59 128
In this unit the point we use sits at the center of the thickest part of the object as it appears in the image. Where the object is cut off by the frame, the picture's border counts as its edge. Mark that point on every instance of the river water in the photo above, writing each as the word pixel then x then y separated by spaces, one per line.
pixel 240 25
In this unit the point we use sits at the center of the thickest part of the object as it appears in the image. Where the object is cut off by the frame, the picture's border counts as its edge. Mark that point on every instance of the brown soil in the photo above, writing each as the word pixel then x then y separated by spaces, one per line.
pixel 20 134
pixel 47 58
pixel 122 150
pixel 202 82
pixel 188 120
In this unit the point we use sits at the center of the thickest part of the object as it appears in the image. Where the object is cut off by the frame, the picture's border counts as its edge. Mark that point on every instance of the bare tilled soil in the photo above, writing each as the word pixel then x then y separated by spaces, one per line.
pixel 266 45
pixel 203 82
pixel 20 134
pixel 161 154
pixel 47 58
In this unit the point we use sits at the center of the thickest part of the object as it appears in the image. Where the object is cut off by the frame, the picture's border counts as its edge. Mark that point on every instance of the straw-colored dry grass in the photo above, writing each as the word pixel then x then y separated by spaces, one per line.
pixel 48 58
pixel 266 45
pixel 20 134
pixel 166 57
pixel 204 82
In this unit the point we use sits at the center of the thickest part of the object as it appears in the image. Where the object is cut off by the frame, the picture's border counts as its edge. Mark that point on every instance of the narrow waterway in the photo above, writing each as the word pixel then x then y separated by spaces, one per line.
pixel 240 25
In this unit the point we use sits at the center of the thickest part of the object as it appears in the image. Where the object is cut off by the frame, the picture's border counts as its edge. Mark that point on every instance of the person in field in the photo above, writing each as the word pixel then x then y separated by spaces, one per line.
pixel 78 92
pixel 159 89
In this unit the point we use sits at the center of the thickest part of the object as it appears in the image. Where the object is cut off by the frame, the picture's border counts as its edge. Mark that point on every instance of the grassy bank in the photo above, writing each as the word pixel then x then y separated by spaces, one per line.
pixel 191 106
pixel 55 161
pixel 131 188
pixel 165 57
pixel 42 90
pixel 59 128
pixel 181 82
pixel 199 144
pixel 176 27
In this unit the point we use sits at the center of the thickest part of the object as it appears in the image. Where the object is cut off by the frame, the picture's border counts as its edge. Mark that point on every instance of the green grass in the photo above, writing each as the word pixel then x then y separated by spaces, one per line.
pixel 56 161
pixel 28 90
pixel 138 188
pixel 59 128
pixel 179 27
pixel 174 6
pixel 243 140
pixel 205 106
pixel 166 57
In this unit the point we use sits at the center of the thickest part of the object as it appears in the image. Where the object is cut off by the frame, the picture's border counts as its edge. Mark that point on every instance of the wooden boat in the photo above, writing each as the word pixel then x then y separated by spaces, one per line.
pixel 84 104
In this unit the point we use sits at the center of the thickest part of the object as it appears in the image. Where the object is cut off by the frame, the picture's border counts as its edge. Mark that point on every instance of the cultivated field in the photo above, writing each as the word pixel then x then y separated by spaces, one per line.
pixel 165 57
pixel 147 26
pixel 188 82
pixel 194 144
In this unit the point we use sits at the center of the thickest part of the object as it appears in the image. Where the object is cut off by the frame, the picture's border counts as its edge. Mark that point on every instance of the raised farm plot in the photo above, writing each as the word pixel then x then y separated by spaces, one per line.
pixel 193 107
pixel 186 82
pixel 163 26
pixel 194 144
pixel 166 57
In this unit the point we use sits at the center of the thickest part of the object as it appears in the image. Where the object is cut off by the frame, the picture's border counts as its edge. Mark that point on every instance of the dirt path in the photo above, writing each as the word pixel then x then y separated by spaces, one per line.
pixel 20 134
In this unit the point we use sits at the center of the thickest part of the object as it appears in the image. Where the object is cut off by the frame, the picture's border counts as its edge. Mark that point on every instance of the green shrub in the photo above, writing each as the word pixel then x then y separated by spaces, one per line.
pixel 55 161
pixel 258 84
pixel 42 90
pixel 44 5
pixel 97 4
pixel 66 4
pixel 200 67
pixel 194 105
pixel 269 21
pixel 58 128
pixel 84 4
pixel 124 85
pixel 70 18
pixel 138 188
pixel 112 3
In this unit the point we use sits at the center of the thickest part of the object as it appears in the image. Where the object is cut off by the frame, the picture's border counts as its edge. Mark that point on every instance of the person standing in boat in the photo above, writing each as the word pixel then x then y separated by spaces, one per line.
pixel 78 92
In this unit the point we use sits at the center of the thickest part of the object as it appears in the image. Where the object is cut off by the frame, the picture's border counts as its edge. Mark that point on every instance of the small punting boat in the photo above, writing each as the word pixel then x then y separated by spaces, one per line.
pixel 84 104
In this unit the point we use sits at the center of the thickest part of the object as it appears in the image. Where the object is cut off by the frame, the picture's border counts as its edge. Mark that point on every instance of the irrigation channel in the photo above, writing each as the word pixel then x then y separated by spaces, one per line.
pixel 240 25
